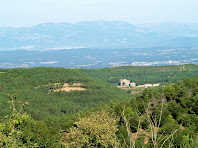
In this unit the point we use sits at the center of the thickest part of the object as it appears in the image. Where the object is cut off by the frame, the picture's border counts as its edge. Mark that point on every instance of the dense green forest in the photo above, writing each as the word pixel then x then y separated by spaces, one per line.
pixel 33 85
pixel 165 117
pixel 145 74
pixel 34 114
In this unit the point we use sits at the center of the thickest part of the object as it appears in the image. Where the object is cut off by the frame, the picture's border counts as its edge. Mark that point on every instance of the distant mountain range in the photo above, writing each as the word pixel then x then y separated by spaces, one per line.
pixel 99 34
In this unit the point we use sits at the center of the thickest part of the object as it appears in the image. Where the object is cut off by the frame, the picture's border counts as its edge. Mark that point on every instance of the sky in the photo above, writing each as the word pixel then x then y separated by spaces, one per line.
pixel 19 13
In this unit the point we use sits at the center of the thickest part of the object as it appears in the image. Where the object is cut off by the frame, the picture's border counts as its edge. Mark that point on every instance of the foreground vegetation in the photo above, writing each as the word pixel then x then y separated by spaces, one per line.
pixel 163 117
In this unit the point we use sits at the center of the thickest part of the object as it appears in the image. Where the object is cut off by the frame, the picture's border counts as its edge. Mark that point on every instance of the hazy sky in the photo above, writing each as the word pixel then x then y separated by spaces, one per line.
pixel 31 12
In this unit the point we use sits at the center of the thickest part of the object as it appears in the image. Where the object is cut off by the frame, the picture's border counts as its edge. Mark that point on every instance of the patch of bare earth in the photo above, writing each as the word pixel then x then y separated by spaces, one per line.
pixel 143 133
pixel 67 87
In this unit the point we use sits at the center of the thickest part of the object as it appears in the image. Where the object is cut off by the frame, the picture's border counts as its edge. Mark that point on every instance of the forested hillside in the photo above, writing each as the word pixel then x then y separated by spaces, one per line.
pixel 163 118
pixel 37 87
pixel 100 115
pixel 145 74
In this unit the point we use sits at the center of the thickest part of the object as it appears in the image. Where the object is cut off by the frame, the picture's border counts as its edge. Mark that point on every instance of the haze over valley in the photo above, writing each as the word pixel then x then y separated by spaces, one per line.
pixel 98 44
pixel 99 58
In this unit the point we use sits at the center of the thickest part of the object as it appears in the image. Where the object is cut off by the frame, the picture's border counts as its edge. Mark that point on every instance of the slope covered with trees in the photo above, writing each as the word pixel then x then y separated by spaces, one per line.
pixel 164 118
pixel 145 74
pixel 161 117
pixel 34 85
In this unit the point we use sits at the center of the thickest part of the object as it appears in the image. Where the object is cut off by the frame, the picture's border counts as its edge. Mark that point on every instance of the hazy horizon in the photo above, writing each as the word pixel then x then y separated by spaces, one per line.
pixel 23 13
pixel 136 24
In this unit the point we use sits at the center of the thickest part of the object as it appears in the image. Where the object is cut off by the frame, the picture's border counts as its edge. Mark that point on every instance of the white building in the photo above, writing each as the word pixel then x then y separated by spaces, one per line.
pixel 157 84
pixel 126 83
pixel 148 85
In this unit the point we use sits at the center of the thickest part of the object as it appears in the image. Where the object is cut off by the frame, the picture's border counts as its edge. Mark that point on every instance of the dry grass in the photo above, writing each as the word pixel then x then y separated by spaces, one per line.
pixel 67 87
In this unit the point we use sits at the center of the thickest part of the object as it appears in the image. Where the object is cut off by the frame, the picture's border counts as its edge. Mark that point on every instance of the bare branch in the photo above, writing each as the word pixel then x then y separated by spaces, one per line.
pixel 170 136
pixel 127 125
pixel 133 146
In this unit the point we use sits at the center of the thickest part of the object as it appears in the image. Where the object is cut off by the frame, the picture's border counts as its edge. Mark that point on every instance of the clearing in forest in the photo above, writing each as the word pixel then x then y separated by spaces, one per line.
pixel 71 87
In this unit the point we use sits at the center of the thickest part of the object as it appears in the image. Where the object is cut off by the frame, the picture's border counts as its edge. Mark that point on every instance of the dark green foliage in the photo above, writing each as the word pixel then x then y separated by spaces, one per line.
pixel 180 114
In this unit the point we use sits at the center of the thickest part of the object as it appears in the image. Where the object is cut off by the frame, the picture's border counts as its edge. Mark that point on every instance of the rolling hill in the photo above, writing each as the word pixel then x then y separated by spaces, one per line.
pixel 38 87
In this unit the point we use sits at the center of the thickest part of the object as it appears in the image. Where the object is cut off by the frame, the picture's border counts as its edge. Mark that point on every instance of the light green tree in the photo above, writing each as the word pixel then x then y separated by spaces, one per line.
pixel 96 130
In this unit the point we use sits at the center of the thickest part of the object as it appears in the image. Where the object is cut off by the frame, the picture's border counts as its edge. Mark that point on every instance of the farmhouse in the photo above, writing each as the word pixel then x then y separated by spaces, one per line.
pixel 126 83
pixel 151 85
pixel 148 85
pixel 157 84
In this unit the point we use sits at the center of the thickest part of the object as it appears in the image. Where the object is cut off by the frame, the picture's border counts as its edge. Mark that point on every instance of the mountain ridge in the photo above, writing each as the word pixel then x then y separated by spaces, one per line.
pixel 98 34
